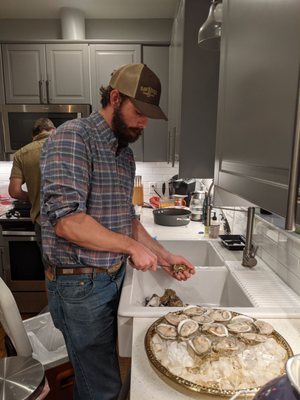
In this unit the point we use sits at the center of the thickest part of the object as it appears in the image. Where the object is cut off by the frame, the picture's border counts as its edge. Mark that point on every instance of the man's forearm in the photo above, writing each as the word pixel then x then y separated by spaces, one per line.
pixel 142 236
pixel 85 231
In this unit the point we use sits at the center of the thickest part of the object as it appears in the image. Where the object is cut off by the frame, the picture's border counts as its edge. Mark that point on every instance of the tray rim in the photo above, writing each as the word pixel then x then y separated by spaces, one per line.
pixel 158 367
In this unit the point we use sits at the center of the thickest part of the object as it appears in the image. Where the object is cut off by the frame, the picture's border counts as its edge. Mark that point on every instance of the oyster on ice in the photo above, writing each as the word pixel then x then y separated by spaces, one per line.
pixel 200 344
pixel 166 331
pixel 227 345
pixel 242 318
pixel 263 327
pixel 187 328
pixel 216 329
pixel 239 327
pixel 202 319
pixel 220 315
pixel 253 338
pixel 194 310
pixel 174 318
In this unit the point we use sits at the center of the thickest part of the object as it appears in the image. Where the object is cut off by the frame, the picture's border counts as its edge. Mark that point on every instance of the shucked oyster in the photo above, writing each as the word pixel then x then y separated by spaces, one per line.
pixel 200 344
pixel 215 329
pixel 202 319
pixel 220 315
pixel 253 338
pixel 194 310
pixel 264 327
pixel 166 331
pixel 239 327
pixel 227 345
pixel 187 328
pixel 240 318
pixel 174 318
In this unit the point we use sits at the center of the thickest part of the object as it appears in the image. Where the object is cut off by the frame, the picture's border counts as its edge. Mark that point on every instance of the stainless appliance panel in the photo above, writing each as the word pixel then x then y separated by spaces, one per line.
pixel 18 120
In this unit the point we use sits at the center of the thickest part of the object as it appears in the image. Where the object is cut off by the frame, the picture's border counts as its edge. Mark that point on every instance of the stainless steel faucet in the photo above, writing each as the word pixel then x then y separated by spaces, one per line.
pixel 250 250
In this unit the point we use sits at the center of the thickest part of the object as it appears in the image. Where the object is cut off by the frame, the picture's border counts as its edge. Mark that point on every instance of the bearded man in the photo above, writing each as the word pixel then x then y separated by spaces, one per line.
pixel 89 228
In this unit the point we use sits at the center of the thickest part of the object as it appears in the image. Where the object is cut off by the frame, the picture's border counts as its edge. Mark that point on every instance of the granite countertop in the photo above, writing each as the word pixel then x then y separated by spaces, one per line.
pixel 146 384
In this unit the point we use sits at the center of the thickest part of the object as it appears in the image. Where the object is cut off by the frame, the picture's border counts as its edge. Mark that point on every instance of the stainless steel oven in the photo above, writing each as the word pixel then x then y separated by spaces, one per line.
pixel 21 263
pixel 18 120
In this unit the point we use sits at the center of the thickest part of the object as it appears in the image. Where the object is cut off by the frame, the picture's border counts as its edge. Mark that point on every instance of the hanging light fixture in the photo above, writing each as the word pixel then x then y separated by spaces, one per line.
pixel 210 32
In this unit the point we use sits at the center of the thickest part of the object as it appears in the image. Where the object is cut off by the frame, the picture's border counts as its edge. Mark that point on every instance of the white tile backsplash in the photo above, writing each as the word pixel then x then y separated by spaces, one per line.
pixel 277 248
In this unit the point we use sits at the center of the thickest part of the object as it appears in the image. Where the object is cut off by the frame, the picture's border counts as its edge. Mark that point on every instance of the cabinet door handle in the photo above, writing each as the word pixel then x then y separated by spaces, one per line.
pixel 40 91
pixel 47 91
pixel 294 176
pixel 174 146
pixel 168 146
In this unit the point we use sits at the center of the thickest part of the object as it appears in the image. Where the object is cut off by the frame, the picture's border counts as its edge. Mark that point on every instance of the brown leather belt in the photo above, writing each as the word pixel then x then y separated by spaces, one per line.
pixel 51 271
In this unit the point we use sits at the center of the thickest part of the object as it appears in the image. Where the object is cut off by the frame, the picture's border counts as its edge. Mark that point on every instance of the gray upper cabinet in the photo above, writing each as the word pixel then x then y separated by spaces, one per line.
pixel 104 59
pixel 258 96
pixel 194 77
pixel 153 145
pixel 42 74
pixel 2 97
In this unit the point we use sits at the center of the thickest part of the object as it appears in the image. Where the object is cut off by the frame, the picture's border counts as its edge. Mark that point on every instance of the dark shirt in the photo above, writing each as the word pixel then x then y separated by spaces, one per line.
pixel 83 171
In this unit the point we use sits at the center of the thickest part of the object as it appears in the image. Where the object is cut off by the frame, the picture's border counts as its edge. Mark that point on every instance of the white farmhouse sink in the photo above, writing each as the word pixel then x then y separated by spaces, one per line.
pixel 216 283
pixel 211 285
pixel 198 252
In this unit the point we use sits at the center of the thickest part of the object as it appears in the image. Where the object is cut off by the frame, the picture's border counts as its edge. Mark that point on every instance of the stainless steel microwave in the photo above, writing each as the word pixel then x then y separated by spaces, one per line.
pixel 18 120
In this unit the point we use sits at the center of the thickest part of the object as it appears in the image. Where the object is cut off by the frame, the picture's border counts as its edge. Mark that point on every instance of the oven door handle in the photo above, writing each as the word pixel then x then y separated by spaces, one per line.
pixel 18 233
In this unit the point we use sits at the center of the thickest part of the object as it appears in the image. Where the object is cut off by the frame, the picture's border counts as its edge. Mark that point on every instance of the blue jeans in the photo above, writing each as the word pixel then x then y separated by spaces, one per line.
pixel 84 308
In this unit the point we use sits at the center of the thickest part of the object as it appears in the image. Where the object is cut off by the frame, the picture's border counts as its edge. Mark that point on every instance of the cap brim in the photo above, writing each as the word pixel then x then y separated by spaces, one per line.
pixel 149 110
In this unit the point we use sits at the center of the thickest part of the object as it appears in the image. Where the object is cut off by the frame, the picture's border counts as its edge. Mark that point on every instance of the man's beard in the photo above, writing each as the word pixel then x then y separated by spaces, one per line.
pixel 123 133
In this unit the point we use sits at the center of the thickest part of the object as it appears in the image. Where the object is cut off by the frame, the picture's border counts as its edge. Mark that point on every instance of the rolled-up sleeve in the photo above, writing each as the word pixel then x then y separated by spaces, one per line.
pixel 65 175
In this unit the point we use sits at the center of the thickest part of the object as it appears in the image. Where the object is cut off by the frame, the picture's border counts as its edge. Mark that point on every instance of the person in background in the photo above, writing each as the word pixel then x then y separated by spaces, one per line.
pixel 89 227
pixel 26 169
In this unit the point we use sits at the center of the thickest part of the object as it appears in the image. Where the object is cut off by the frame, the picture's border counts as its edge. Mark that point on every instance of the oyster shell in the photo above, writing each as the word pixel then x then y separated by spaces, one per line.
pixel 263 327
pixel 166 331
pixel 170 297
pixel 200 344
pixel 239 327
pixel 202 319
pixel 220 315
pixel 227 345
pixel 240 318
pixel 153 301
pixel 253 338
pixel 177 268
pixel 194 310
pixel 187 328
pixel 215 329
pixel 174 318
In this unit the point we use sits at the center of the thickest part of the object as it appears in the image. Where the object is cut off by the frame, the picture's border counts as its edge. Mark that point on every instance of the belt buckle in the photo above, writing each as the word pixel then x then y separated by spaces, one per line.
pixel 67 271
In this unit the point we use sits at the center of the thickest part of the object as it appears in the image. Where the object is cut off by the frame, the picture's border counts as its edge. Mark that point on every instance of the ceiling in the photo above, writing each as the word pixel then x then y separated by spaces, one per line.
pixel 92 9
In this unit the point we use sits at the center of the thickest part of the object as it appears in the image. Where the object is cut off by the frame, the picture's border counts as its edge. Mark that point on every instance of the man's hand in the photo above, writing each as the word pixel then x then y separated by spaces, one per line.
pixel 143 259
pixel 168 265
